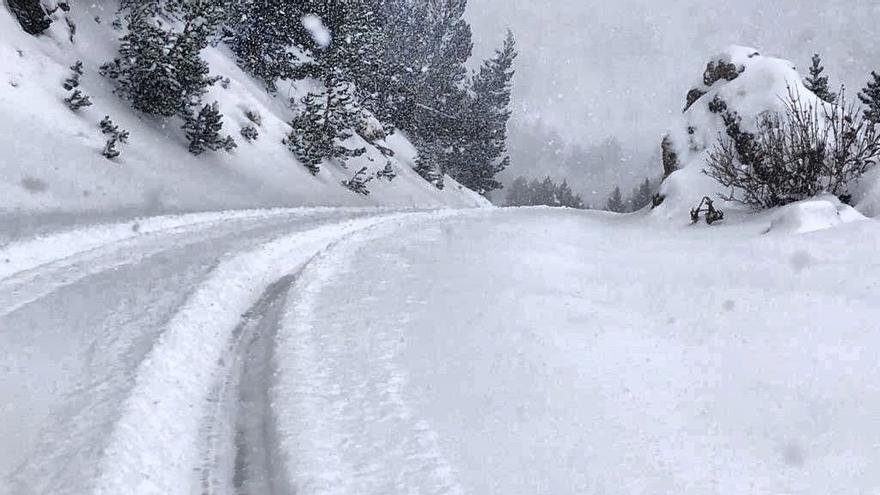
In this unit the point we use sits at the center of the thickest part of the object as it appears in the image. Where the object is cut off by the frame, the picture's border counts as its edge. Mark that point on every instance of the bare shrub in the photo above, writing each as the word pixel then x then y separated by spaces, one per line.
pixel 808 149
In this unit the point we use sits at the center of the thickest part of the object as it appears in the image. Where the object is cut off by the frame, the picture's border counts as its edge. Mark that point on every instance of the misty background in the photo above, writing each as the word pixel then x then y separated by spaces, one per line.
pixel 599 81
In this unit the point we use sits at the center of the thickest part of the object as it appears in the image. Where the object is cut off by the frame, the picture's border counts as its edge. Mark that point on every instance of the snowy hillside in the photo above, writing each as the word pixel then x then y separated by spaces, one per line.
pixel 52 158
pixel 749 85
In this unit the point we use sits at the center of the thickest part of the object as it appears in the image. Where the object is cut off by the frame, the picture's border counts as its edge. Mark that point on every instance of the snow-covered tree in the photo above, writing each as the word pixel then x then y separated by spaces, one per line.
pixel 359 182
pixel 159 68
pixel 818 83
pixel 642 195
pixel 261 36
pixel 31 15
pixel 77 99
pixel 76 71
pixel 489 112
pixel 203 131
pixel 870 97
pixel 615 201
pixel 250 133
pixel 320 130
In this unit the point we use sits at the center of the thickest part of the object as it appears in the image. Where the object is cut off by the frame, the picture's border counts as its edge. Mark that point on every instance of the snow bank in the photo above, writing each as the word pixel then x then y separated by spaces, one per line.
pixel 750 84
pixel 812 215
pixel 51 158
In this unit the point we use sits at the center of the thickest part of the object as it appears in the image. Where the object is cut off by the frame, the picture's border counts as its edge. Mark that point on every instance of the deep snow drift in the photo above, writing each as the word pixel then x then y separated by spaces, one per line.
pixel 51 158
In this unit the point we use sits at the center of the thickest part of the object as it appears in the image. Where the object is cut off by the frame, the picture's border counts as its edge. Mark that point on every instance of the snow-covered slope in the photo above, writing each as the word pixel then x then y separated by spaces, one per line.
pixel 50 156
pixel 751 85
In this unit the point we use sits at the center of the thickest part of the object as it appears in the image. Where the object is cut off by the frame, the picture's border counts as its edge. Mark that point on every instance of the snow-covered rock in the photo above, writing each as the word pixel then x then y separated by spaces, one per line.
pixel 749 84
pixel 50 156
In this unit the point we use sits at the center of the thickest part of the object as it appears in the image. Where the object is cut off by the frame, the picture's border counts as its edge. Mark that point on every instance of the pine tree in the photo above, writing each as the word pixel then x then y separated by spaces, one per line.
pixel 262 38
pixel 519 193
pixel 489 114
pixel 388 173
pixel 76 72
pixel 870 96
pixel 320 130
pixel 817 83
pixel 203 131
pixel 642 195
pixel 31 15
pixel 110 152
pixel 159 68
pixel 77 100
pixel 359 182
pixel 615 201
pixel 250 133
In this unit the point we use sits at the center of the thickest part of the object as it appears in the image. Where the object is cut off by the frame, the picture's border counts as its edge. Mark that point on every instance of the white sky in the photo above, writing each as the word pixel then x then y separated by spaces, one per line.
pixel 595 68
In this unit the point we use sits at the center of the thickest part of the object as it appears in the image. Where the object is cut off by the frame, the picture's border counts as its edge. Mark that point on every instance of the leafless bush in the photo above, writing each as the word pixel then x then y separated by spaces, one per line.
pixel 808 149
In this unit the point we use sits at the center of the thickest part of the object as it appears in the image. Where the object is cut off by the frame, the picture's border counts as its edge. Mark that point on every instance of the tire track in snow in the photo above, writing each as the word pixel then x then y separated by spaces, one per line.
pixel 239 451
pixel 154 445
pixel 345 425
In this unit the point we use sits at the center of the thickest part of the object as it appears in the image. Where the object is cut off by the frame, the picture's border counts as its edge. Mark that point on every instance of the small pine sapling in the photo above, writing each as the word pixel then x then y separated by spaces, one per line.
pixel 254 117
pixel 229 144
pixel 387 173
pixel 203 130
pixel 250 133
pixel 77 100
pixel 116 135
pixel 110 152
pixel 73 81
pixel 359 182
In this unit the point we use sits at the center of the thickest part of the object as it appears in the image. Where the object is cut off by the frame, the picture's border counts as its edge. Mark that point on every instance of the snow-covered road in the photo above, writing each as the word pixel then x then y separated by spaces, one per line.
pixel 474 352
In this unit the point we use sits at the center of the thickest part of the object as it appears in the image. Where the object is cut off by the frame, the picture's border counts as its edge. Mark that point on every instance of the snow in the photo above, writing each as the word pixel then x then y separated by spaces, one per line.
pixel 567 352
pixel 52 160
pixel 479 351
pixel 762 86
pixel 315 26
pixel 820 213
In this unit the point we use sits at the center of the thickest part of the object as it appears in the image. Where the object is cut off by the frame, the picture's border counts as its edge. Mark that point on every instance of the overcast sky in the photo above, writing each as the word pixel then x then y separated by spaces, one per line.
pixel 595 68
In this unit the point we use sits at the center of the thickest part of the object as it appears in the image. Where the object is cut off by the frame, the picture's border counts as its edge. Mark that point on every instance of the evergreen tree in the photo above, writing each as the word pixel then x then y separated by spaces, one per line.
pixel 250 133
pixel 76 72
pixel 817 83
pixel 203 131
pixel 642 196
pixel 518 193
pixel 489 114
pixel 870 96
pixel 320 130
pixel 159 68
pixel 261 36
pixel 359 182
pixel 31 15
pixel 615 201
pixel 77 100
pixel 388 173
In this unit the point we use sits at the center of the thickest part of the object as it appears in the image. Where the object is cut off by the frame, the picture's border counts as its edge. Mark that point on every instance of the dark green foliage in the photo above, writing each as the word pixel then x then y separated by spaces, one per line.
pixel 203 131
pixel 615 202
pixel 159 68
pixel 388 173
pixel 110 152
pixel 30 15
pixel 250 133
pixel 522 192
pixel 642 196
pixel 359 182
pixel 77 100
pixel 110 129
pixel 260 33
pixel 320 130
pixel 870 97
pixel 76 72
pixel 486 126
pixel 817 83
